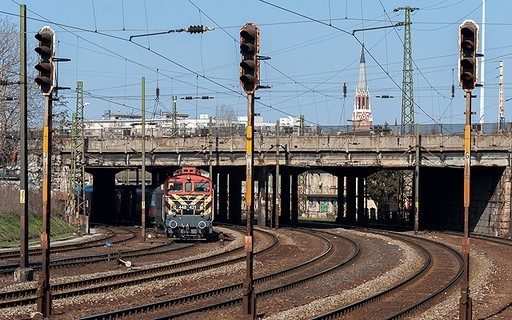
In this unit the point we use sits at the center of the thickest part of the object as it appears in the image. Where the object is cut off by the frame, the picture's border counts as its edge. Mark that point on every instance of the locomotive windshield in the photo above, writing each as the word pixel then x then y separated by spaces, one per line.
pixel 188 187
pixel 174 186
pixel 202 186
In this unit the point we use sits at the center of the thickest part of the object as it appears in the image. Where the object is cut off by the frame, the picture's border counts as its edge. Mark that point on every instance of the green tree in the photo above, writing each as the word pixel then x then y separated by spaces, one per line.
pixel 384 188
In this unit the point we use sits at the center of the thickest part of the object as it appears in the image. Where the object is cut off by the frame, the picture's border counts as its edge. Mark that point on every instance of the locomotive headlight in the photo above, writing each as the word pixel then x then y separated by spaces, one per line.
pixel 201 225
pixel 173 224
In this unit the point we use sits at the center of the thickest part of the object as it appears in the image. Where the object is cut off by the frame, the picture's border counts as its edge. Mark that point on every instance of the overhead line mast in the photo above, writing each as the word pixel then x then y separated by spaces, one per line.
pixel 78 209
pixel 407 82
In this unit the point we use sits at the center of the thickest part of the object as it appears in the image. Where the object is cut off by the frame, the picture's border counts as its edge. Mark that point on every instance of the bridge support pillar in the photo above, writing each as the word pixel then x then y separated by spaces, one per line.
pixel 361 212
pixel 267 201
pixel 262 202
pixel 295 198
pixel 351 199
pixel 341 199
pixel 235 196
pixel 103 196
pixel 215 196
pixel 155 177
pixel 223 197
pixel 285 195
pixel 276 200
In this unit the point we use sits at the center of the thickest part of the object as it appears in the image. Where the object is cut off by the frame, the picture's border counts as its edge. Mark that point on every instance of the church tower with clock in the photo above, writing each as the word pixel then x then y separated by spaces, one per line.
pixel 362 116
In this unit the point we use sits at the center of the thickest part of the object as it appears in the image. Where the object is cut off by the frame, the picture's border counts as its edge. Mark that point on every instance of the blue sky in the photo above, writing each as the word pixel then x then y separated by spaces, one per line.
pixel 312 50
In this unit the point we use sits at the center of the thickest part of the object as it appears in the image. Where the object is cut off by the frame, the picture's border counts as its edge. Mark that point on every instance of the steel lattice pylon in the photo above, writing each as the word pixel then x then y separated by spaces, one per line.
pixel 78 205
pixel 407 82
pixel 407 122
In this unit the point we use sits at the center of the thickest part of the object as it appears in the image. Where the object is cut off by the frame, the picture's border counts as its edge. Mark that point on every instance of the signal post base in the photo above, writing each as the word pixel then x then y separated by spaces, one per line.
pixel 44 302
pixel 465 307
pixel 249 301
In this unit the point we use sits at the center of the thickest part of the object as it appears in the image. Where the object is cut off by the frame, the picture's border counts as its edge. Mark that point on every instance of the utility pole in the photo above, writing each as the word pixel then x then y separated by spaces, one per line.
pixel 143 196
pixel 210 148
pixel 24 273
pixel 301 125
pixel 501 100
pixel 174 116
pixel 482 72
pixel 408 81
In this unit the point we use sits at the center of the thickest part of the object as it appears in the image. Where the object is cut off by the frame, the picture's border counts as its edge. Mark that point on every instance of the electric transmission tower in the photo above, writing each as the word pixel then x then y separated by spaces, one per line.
pixel 407 82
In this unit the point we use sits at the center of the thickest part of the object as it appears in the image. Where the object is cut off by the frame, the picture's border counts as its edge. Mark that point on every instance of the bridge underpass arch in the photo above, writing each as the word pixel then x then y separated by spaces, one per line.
pixel 441 199
pixel 441 190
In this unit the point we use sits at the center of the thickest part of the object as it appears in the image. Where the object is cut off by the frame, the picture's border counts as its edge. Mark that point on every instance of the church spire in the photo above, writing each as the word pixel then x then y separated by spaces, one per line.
pixel 361 83
pixel 362 116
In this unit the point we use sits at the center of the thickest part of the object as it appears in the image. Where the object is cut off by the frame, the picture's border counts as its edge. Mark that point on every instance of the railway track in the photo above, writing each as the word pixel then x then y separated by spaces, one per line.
pixel 129 278
pixel 442 269
pixel 114 237
pixel 100 258
pixel 208 300
pixel 407 297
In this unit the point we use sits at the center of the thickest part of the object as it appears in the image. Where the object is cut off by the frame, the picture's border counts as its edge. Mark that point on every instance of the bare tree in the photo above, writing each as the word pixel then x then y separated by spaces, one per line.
pixel 9 94
pixel 225 115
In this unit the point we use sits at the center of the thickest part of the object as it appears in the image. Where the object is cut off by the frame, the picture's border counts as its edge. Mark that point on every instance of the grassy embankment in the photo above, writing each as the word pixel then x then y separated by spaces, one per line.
pixel 10 218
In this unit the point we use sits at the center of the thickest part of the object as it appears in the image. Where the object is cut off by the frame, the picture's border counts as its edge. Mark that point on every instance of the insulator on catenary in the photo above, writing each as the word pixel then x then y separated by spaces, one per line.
pixel 344 90
pixel 196 29
pixel 157 92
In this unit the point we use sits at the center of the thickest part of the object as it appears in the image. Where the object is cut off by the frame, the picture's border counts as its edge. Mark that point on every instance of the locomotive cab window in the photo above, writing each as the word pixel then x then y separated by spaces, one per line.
pixel 175 187
pixel 201 187
pixel 188 186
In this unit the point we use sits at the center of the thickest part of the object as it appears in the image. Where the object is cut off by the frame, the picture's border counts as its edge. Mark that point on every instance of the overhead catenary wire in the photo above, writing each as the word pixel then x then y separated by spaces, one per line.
pixel 273 92
pixel 268 106
pixel 359 41
pixel 66 27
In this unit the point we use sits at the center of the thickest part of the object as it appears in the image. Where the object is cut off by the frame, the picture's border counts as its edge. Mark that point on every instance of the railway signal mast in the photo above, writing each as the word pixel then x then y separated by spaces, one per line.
pixel 249 80
pixel 468 71
pixel 46 82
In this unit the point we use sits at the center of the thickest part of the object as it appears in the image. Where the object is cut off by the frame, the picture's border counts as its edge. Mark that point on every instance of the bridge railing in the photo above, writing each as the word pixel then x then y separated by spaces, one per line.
pixel 158 130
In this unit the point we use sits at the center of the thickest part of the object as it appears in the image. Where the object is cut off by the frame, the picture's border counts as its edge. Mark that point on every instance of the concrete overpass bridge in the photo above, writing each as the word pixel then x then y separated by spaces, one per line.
pixel 351 157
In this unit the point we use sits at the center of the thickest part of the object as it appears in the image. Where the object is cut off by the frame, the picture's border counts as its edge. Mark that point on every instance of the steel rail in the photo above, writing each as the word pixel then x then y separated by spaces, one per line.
pixel 56 247
pixel 361 303
pixel 134 277
pixel 229 302
pixel 102 257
